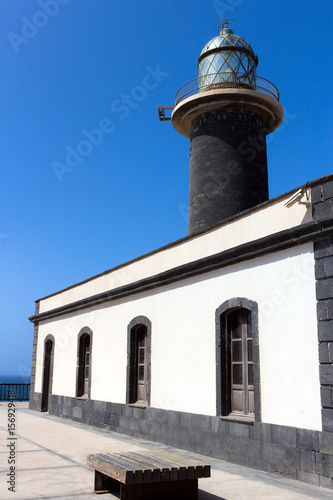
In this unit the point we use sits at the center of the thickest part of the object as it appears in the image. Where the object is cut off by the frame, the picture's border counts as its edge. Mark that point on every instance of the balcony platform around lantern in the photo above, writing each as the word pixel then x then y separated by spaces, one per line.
pixel 242 99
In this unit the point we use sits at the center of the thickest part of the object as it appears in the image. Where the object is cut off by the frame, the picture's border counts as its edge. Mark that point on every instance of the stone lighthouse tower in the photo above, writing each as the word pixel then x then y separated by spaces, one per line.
pixel 226 112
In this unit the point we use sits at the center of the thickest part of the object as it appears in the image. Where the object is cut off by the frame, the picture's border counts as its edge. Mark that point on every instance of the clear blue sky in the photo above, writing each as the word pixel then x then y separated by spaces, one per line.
pixel 128 194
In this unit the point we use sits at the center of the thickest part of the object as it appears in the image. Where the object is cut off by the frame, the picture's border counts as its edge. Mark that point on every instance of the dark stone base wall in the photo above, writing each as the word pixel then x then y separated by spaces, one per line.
pixel 228 166
pixel 296 453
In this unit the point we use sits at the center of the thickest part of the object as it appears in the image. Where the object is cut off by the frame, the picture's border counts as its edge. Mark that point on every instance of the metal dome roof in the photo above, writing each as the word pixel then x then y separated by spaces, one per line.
pixel 226 38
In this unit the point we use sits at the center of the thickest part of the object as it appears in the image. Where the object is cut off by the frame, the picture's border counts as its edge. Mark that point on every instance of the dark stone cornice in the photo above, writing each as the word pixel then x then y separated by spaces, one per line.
pixel 309 232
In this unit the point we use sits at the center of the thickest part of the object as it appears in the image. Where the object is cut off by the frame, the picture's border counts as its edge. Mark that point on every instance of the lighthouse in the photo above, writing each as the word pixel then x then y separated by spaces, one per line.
pixel 226 112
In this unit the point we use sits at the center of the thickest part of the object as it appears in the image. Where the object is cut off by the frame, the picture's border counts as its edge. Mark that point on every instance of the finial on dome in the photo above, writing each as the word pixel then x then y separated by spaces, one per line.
pixel 223 27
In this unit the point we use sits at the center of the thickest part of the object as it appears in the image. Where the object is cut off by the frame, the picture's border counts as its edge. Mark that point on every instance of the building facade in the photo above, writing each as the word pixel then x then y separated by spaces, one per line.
pixel 221 342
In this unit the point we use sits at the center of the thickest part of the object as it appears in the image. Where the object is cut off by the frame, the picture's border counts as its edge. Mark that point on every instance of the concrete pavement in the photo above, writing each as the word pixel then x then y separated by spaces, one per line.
pixel 50 462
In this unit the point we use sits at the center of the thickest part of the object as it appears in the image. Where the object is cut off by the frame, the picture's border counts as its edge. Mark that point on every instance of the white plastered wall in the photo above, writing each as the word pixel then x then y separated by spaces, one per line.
pixel 183 374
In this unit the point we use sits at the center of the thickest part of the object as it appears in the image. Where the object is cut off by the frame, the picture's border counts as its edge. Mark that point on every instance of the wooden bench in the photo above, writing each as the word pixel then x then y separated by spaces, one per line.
pixel 148 475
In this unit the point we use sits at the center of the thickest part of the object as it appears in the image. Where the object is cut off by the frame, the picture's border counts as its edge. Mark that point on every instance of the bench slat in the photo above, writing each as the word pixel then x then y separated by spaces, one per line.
pixel 180 459
pixel 202 469
pixel 144 462
pixel 102 465
pixel 168 472
pixel 125 462
pixel 182 469
pixel 143 472
pixel 117 460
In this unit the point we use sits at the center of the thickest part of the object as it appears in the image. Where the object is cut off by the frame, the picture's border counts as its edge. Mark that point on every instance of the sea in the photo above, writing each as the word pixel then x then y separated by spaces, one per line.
pixel 14 379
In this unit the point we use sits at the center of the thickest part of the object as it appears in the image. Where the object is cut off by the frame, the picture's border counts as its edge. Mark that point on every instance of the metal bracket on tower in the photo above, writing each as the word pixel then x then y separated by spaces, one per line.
pixel 161 113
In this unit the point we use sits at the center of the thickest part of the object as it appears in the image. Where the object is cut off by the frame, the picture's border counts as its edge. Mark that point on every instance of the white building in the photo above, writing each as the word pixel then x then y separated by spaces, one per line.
pixel 221 342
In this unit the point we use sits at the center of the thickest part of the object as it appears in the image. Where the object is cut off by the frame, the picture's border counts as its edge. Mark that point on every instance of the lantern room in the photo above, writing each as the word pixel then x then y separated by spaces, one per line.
pixel 227 60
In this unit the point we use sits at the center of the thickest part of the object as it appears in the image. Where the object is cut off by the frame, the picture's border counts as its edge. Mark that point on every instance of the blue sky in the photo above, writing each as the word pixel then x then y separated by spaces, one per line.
pixel 67 68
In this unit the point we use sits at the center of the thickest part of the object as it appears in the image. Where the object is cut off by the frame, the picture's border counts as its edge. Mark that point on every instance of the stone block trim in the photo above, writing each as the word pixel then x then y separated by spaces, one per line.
pixel 322 205
pixel 32 400
pixel 301 454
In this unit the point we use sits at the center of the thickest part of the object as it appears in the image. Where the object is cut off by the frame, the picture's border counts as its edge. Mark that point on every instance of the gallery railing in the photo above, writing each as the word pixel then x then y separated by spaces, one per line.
pixel 234 80
pixel 16 392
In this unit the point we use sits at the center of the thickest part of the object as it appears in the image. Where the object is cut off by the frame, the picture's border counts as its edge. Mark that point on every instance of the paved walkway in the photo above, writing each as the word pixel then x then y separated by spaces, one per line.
pixel 51 455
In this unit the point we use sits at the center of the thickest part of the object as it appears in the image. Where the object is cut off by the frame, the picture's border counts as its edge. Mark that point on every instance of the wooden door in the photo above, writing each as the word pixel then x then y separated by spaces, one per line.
pixel 47 375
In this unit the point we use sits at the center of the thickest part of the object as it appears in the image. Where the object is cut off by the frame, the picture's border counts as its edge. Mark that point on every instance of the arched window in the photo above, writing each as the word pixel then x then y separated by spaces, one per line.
pixel 84 363
pixel 47 372
pixel 237 355
pixel 138 361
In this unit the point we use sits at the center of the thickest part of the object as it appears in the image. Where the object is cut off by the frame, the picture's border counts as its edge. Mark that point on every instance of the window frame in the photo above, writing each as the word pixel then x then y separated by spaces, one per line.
pixel 222 377
pixel 84 333
pixel 132 361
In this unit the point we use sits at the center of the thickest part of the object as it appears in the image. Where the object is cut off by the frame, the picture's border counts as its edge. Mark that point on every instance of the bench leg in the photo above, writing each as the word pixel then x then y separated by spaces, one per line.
pixel 165 490
pixel 105 484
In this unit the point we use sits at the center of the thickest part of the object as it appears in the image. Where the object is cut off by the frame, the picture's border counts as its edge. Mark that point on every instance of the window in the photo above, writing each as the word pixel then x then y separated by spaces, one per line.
pixel 138 366
pixel 237 359
pixel 84 363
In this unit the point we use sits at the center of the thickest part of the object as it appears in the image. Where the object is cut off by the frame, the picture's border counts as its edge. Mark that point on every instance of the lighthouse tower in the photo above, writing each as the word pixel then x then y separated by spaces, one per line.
pixel 226 112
